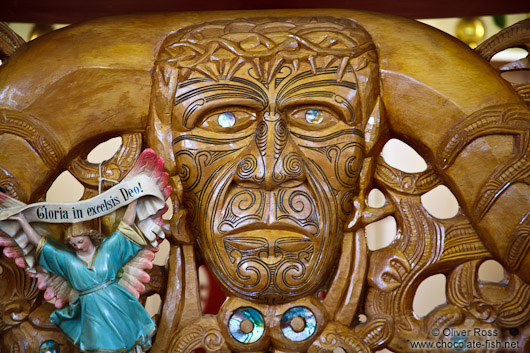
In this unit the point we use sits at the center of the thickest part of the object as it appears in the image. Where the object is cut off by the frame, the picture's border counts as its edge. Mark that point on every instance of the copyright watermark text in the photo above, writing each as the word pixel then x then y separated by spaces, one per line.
pixel 461 340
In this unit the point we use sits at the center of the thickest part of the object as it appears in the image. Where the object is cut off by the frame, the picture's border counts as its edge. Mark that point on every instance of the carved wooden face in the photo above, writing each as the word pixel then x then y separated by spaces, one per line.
pixel 269 171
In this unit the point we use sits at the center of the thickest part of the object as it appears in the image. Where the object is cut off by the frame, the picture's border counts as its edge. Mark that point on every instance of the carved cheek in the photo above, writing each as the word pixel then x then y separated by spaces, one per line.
pixel 197 162
pixel 340 162
pixel 349 164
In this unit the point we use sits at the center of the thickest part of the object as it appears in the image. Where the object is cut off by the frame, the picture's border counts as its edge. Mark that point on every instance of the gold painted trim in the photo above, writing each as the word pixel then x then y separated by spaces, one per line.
pixel 43 241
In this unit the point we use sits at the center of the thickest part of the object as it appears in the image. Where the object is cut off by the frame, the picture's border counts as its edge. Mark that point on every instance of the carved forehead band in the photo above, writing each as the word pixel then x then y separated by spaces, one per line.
pixel 220 48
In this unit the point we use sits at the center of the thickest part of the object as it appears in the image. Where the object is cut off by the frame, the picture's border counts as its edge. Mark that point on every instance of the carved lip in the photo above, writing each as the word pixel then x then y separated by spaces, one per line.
pixel 275 226
pixel 268 244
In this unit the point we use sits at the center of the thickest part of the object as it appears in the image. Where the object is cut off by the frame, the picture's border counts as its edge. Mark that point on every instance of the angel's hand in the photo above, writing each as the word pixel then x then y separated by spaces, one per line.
pixel 130 213
pixel 31 233
pixel 19 217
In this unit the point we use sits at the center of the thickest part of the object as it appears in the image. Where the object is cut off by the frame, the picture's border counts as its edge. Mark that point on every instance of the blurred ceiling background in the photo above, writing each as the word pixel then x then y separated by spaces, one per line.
pixel 72 11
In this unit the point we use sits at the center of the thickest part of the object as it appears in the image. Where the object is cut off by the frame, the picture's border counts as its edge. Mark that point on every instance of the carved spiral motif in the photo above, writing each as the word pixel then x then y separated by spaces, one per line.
pixel 291 275
pixel 213 340
pixel 261 137
pixel 329 340
pixel 293 165
pixel 185 169
pixel 292 168
pixel 352 167
pixel 280 138
pixel 348 169
pixel 241 207
pixel 253 275
pixel 244 201
pixel 247 168
pixel 15 311
pixel 300 208
pixel 299 202
pixel 204 333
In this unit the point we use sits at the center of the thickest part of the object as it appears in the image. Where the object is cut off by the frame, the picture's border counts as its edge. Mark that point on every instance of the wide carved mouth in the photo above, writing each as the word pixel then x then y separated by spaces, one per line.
pixel 268 245
pixel 272 229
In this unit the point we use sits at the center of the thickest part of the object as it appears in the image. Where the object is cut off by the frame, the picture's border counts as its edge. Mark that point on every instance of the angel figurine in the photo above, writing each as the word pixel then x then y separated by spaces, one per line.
pixel 104 314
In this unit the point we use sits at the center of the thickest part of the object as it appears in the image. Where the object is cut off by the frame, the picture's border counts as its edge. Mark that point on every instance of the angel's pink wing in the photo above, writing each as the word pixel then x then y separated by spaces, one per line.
pixel 135 275
pixel 150 164
pixel 53 286
pixel 13 251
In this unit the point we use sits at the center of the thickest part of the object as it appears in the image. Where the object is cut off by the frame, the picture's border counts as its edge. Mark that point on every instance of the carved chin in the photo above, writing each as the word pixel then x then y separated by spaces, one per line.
pixel 270 268
pixel 271 246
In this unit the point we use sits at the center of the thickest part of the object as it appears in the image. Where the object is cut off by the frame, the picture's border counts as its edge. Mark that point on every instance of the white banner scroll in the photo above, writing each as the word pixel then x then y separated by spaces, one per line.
pixel 140 187
pixel 72 212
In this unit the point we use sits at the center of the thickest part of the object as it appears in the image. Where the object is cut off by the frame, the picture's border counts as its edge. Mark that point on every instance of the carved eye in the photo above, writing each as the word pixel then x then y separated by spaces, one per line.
pixel 312 118
pixel 228 120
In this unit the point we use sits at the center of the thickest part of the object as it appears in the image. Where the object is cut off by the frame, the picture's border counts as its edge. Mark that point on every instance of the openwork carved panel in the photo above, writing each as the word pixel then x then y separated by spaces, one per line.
pixel 271 127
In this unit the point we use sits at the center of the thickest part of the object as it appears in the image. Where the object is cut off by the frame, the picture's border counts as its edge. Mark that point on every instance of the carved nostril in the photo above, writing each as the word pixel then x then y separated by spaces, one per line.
pixel 289 169
pixel 248 171
pixel 272 159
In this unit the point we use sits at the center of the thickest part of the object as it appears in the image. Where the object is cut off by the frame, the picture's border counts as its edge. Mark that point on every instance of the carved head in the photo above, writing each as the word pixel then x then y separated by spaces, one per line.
pixel 268 120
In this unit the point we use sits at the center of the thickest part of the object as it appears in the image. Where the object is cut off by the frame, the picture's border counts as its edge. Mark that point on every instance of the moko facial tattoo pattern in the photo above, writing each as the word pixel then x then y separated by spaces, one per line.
pixel 268 119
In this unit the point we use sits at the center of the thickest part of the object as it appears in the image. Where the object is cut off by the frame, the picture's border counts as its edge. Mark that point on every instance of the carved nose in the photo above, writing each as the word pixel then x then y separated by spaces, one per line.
pixel 272 159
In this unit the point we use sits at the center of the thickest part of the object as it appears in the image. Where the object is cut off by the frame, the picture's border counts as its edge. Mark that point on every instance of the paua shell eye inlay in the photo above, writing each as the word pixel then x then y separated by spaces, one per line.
pixel 314 116
pixel 298 324
pixel 49 347
pixel 226 119
pixel 246 325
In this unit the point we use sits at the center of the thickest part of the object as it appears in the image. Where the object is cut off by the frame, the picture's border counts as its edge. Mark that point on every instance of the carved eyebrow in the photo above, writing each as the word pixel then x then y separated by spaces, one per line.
pixel 241 89
pixel 307 74
pixel 250 83
pixel 314 84
pixel 224 89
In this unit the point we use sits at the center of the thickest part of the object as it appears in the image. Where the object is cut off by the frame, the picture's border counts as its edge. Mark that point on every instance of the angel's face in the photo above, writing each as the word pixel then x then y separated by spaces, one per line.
pixel 80 243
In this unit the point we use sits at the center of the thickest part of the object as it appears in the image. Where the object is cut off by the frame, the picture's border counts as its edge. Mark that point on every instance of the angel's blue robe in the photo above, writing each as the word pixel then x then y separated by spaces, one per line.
pixel 105 317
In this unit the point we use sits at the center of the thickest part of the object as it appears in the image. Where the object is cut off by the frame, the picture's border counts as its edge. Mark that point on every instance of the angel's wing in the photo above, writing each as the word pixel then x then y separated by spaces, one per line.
pixel 18 248
pixel 149 214
pixel 149 209
pixel 54 286
pixel 134 275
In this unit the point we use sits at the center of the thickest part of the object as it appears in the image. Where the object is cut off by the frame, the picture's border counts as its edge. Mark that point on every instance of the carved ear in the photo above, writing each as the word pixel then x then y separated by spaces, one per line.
pixel 364 214
pixel 359 201
pixel 159 132
pixel 375 129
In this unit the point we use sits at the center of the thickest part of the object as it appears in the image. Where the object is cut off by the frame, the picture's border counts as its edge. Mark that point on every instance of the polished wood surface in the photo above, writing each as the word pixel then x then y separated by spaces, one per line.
pixel 271 125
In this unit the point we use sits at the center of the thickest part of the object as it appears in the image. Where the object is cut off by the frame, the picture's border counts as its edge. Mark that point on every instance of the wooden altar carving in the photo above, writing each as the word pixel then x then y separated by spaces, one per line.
pixel 271 126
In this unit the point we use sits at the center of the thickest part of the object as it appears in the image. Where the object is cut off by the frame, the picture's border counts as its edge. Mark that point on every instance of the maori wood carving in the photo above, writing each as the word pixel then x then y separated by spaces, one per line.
pixel 271 126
